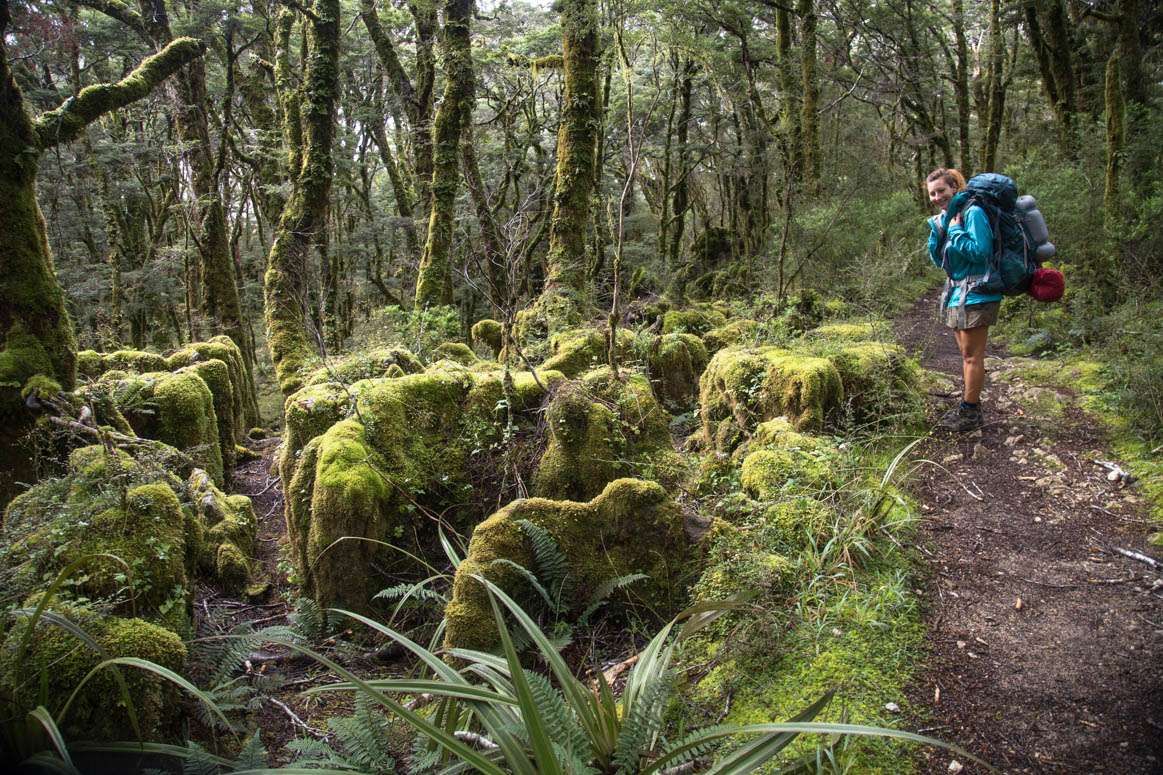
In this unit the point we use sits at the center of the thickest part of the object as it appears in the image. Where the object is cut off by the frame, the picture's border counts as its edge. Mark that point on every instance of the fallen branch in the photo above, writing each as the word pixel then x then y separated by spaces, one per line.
pixel 298 721
pixel 1136 556
pixel 1110 513
pixel 1117 474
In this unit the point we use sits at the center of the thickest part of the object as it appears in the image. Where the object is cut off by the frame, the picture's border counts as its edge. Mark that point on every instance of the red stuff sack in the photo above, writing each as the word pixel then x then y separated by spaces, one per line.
pixel 1047 285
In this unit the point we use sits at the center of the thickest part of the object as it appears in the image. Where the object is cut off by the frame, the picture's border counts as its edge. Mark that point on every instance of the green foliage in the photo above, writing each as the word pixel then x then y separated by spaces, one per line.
pixel 419 330
pixel 361 742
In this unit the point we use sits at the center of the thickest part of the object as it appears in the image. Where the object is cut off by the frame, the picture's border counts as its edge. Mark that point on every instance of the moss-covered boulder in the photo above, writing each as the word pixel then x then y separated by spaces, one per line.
pixel 742 387
pixel 879 379
pixel 697 320
pixel 124 524
pixel 600 429
pixel 490 334
pixel 177 409
pixel 55 661
pixel 226 533
pixel 858 331
pixel 734 333
pixel 227 410
pixel 780 463
pixel 368 365
pixel 308 413
pixel 457 352
pixel 633 526
pixel 676 361
pixel 222 348
pixel 581 349
pixel 366 482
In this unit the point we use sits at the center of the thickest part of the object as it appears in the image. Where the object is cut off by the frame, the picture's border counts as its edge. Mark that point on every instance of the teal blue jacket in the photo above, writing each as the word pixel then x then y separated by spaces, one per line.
pixel 967 249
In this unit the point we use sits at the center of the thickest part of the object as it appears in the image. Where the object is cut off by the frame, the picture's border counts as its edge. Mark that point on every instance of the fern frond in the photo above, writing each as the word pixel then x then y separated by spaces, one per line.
pixel 309 621
pixel 642 722
pixel 405 591
pixel 607 588
pixel 529 577
pixel 253 755
pixel 559 719
pixel 552 566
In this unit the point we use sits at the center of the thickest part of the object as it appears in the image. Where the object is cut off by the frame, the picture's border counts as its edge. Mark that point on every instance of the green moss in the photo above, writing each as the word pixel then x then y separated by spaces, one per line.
pixel 798 523
pixel 747 386
pixel 632 526
pixel 577 350
pixel 735 332
pixel 879 379
pixel 90 364
pixel 228 521
pixel 457 352
pixel 122 522
pixel 849 332
pixel 769 474
pixel 40 385
pixel 488 333
pixel 693 320
pixel 676 362
pixel 227 412
pixel 584 449
pixel 370 365
pixel 56 661
pixel 134 361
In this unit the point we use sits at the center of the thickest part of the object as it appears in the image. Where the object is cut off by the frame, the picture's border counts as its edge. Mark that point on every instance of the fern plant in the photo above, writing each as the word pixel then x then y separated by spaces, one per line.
pixel 361 742
pixel 496 716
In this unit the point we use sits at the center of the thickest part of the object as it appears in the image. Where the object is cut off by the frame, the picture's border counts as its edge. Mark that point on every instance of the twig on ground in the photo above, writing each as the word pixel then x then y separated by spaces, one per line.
pixel 1110 513
pixel 480 741
pixel 726 707
pixel 1136 556
pixel 298 721
pixel 1048 584
pixel 273 481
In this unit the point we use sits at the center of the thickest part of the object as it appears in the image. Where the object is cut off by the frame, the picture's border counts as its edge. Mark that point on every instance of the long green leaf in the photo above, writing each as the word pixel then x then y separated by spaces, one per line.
pixel 41 714
pixel 458 691
pixel 547 763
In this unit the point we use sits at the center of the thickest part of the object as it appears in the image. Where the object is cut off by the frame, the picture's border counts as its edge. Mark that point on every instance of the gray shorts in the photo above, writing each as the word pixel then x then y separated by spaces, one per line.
pixel 975 315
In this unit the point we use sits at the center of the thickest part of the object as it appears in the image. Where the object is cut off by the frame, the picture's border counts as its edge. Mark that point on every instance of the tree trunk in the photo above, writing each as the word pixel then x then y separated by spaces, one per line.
pixel 681 186
pixel 996 93
pixel 961 86
pixel 810 90
pixel 304 221
pixel 565 281
pixel 434 282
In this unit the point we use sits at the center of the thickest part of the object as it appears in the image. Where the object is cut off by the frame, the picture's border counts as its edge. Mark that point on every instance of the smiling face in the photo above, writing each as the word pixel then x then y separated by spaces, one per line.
pixel 940 192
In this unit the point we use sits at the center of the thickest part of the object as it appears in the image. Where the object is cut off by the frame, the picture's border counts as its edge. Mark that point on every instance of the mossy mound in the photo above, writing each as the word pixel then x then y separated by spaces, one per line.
pixel 580 349
pixel 697 320
pixel 369 365
pixel 92 364
pixel 743 387
pixel 632 526
pixel 601 428
pixel 799 523
pixel 849 332
pixel 227 410
pixel 177 409
pixel 222 348
pixel 735 332
pixel 309 412
pixel 490 334
pixel 407 451
pixel 879 379
pixel 226 549
pixel 780 463
pixel 56 661
pixel 676 361
pixel 123 522
pixel 457 352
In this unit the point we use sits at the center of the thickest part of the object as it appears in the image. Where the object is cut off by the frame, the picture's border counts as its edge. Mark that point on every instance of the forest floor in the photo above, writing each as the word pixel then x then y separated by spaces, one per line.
pixel 1046 642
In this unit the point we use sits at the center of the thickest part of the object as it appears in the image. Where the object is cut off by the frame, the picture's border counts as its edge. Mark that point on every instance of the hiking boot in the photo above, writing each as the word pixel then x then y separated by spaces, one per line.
pixel 962 418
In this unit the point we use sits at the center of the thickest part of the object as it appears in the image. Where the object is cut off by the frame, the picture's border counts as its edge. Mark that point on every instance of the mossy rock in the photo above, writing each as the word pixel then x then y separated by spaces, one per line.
pixel 772 473
pixel 370 365
pixel 177 409
pixel 372 475
pixel 879 379
pixel 224 349
pixel 490 334
pixel 798 523
pixel 601 428
pixel 56 661
pixel 676 362
pixel 735 332
pixel 633 526
pixel 125 525
pixel 581 349
pixel 227 411
pixel 227 547
pixel 693 320
pixel 749 386
pixel 133 362
pixel 849 332
pixel 458 352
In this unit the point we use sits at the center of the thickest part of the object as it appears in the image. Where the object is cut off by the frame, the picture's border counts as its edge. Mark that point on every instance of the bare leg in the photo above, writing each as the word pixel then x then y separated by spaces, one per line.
pixel 971 342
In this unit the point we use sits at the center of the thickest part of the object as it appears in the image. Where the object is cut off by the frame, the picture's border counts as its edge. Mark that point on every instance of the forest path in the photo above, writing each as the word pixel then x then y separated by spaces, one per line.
pixel 1046 644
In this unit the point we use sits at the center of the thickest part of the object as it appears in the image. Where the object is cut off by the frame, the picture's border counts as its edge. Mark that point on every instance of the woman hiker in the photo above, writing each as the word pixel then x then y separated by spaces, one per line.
pixel 962 246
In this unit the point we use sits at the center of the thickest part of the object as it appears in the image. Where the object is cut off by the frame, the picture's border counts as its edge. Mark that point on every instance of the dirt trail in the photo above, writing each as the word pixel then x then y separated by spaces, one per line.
pixel 1046 645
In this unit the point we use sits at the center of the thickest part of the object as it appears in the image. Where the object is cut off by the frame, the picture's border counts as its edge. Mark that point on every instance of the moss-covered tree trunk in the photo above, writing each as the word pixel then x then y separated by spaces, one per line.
pixel 961 86
pixel 37 348
pixel 681 197
pixel 434 282
pixel 1115 136
pixel 995 92
pixel 303 226
pixel 810 89
pixel 565 288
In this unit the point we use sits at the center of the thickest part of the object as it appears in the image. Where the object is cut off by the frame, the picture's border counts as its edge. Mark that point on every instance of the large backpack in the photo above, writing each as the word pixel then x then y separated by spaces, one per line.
pixel 1013 263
